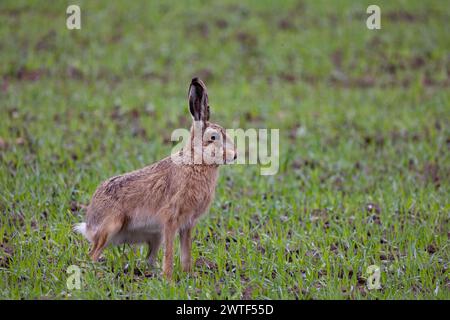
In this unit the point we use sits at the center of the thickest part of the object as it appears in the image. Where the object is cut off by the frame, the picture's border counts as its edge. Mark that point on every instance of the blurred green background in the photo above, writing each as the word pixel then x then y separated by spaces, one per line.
pixel 364 144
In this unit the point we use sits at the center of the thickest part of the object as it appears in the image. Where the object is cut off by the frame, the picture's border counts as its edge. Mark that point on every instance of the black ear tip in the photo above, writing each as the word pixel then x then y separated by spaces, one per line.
pixel 198 84
pixel 195 80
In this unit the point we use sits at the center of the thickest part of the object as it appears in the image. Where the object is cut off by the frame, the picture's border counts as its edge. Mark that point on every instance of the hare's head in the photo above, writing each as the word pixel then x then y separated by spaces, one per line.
pixel 209 142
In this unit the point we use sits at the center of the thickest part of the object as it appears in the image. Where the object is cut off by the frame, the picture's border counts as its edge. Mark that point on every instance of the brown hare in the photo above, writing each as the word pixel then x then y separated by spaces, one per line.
pixel 152 204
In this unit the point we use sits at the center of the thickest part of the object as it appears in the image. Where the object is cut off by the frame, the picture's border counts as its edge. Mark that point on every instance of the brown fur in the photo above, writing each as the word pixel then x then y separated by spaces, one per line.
pixel 154 203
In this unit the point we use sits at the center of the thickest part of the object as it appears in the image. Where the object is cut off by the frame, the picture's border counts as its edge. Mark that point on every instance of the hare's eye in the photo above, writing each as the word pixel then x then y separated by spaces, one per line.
pixel 214 137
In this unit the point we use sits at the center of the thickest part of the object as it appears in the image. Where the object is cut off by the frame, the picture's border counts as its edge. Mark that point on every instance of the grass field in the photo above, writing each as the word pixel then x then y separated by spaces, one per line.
pixel 364 121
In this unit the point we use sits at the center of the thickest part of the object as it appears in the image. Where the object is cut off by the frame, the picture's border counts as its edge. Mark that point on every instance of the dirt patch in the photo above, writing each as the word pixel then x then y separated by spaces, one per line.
pixel 221 23
pixel 336 58
pixel 126 119
pixel 74 73
pixel 47 42
pixel 247 292
pixel 150 76
pixel 305 163
pixel 6 254
pixel 404 16
pixel 246 39
pixel 292 254
pixel 26 74
pixel 373 208
pixel 76 207
pixel 288 77
pixel 431 248
pixel 378 140
pixel 203 263
pixel 431 173
pixel 286 24
pixel 201 28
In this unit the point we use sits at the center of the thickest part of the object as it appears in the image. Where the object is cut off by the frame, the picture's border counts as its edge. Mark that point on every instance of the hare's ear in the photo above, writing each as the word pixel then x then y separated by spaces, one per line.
pixel 198 100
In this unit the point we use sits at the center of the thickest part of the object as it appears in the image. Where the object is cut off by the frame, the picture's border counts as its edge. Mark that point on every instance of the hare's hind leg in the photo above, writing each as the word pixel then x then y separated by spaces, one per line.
pixel 154 242
pixel 103 235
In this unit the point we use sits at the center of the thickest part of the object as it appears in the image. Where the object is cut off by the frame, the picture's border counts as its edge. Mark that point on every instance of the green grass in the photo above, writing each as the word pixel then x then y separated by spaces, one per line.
pixel 364 144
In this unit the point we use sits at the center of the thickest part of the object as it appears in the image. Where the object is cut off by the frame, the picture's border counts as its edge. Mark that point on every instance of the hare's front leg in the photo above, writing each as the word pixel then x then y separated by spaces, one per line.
pixel 185 246
pixel 169 235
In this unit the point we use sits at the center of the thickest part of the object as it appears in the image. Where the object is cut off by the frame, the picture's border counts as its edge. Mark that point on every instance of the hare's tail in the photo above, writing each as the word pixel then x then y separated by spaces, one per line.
pixel 81 228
